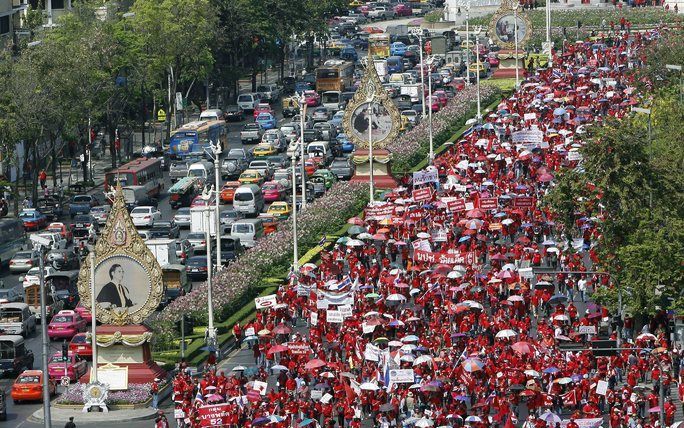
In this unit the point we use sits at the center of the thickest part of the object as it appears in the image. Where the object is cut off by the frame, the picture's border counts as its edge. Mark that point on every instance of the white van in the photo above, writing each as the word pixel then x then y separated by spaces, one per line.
pixel 248 102
pixel 202 170
pixel 248 230
pixel 16 318
pixel 248 199
pixel 319 149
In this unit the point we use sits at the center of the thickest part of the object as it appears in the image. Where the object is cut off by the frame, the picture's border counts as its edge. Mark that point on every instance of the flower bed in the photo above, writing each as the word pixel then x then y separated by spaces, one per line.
pixel 270 257
pixel 413 146
pixel 591 17
pixel 138 393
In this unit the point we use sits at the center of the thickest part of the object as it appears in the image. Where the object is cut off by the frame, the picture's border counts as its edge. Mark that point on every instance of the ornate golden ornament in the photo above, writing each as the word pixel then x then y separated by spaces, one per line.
pixel 385 120
pixel 502 26
pixel 128 278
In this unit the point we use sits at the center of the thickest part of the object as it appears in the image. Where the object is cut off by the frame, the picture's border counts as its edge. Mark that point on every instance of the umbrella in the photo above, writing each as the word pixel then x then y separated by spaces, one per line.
pixel 545 178
pixel 563 380
pixel 369 386
pixel 473 418
pixel 282 329
pixel 559 111
pixel 410 338
pixel 364 235
pixel 277 349
pixel 355 221
pixel 354 243
pixel 279 367
pixel 557 298
pixel 238 369
pixel 506 333
pixel 306 422
pixel 646 336
pixel 261 421
pixel 551 370
pixel 515 298
pixel 550 418
pixel 472 365
pixel 424 423
pixel 422 359
pixel 315 364
pixel 396 298
pixel 532 373
pixel 355 230
pixel 214 397
pixel 561 317
pixel 523 348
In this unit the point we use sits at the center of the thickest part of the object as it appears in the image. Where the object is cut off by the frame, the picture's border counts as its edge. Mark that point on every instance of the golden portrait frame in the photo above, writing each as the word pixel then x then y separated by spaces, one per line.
pixel 507 10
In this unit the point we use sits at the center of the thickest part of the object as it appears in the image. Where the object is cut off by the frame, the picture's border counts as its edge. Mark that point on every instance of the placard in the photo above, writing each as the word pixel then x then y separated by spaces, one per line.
pixel 260 386
pixel 314 316
pixel 574 155
pixel 265 301
pixel 422 177
pixel 523 202
pixel 367 328
pixel 298 348
pixel 371 353
pixel 456 205
pixel 602 387
pixel 489 203
pixel 424 194
pixel 401 376
pixel 586 329
pixel 440 236
pixel 526 273
pixel 214 416
pixel 178 414
pixel 530 116
pixel 459 188
pixel 333 316
pixel 469 206
pixel 528 136
pixel 250 332
pixel 316 394
pixel 114 376
pixel 379 212
pixel 444 258
pixel 345 310
pixel 322 304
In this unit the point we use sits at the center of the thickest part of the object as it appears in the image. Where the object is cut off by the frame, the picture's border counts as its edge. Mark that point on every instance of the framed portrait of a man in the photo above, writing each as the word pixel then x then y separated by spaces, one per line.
pixel 121 283
pixel 381 122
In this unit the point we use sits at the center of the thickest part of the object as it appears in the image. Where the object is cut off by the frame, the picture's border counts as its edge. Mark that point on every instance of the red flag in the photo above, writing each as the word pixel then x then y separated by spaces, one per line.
pixel 347 389
pixel 570 399
pixel 253 395
pixel 509 422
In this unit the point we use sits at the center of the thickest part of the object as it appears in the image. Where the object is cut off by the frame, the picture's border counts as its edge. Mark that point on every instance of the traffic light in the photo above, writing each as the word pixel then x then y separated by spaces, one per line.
pixel 65 350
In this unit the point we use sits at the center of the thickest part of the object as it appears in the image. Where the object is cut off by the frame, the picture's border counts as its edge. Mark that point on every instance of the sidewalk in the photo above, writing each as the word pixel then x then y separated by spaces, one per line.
pixel 63 415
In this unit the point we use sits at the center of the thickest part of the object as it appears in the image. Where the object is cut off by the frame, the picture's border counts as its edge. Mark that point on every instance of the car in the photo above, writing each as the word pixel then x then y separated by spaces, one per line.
pixel 51 206
pixel 72 366
pixel 62 229
pixel 433 103
pixel 145 216
pixel 381 12
pixel 248 102
pixel 403 9
pixel 85 221
pixel 196 268
pixel 240 152
pixel 233 112
pixel 348 53
pixel 65 325
pixel 279 210
pixel 266 120
pixel 263 108
pixel 312 98
pixel 251 176
pixel 198 242
pixel 165 229
pixel 83 312
pixel 81 204
pixel 100 213
pixel 327 130
pixel 29 386
pixel 23 261
pixel 273 191
pixel 212 114
pixel 270 91
pixel 279 161
pixel 233 166
pixel 270 223
pixel 199 201
pixel 442 97
pixel 309 167
pixel 321 114
pixel 343 168
pixel 411 116
pixel 329 177
pixel 63 260
pixel 33 275
pixel 182 217
pixel 184 250
pixel 12 295
pixel 275 138
pixel 291 131
pixel 3 405
pixel 263 167
pixel 345 143
pixel 230 216
pixel 231 249
pixel 33 219
pixel 337 118
pixel 228 191
pixel 264 149
pixel 80 345
pixel 251 133
pixel 397 49
pixel 56 240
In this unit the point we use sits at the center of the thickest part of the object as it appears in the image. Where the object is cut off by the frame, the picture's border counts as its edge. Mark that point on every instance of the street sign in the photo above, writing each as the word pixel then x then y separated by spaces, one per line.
pixel 65 381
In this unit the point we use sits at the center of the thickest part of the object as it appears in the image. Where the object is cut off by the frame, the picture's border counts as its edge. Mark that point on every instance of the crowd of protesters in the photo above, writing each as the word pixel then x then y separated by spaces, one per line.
pixel 465 305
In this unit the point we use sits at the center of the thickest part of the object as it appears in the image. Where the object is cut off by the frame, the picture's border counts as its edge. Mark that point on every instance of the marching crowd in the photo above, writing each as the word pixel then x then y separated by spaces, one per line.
pixel 463 304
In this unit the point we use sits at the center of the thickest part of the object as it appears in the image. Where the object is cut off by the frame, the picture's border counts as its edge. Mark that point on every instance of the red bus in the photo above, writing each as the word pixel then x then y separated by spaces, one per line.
pixel 139 172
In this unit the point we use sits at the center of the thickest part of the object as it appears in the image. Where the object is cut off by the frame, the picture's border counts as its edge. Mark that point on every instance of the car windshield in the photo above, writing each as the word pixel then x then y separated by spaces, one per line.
pixel 242 228
pixel 270 187
pixel 199 261
pixel 98 210
pixel 79 339
pixel 183 211
pixel 5 294
pixel 59 359
pixel 339 163
pixel 27 214
pixel 196 173
pixel 245 98
pixel 243 196
pixel 278 208
pixel 28 379
pixel 83 198
pixel 22 255
pixel 196 236
pixel 62 318
pixel 229 214
pixel 140 210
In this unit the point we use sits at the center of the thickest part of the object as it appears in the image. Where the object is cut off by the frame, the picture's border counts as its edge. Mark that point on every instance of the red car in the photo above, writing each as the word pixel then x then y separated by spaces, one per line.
pixel 433 102
pixel 29 386
pixel 458 83
pixel 72 366
pixel 442 97
pixel 493 59
pixel 312 98
pixel 65 325
pixel 62 229
pixel 263 108
pixel 199 201
pixel 403 9
pixel 80 345
pixel 273 191
pixel 84 313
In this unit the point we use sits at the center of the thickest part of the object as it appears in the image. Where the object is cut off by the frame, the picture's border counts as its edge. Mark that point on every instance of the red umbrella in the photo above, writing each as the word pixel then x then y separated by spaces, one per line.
pixel 277 349
pixel 523 240
pixel 475 213
pixel 315 364
pixel 356 221
pixel 282 329
pixel 523 348
pixel 545 178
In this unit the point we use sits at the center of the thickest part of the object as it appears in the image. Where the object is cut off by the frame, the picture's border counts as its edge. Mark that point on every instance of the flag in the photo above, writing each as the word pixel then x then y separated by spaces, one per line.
pixel 323 240
pixel 344 284
pixel 569 399
pixel 253 395
pixel 199 397
pixel 468 132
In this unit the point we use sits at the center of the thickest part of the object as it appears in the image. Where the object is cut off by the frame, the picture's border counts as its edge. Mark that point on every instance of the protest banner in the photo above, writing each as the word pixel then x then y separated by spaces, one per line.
pixel 214 416
pixel 265 301
pixel 422 177
pixel 332 316
pixel 316 394
pixel 250 332
pixel 298 348
pixel 587 329
pixel 260 386
pixel 401 376
pixel 371 353
pixel 489 203
pixel 331 298
pixel 602 387
pixel 423 194
pixel 584 423
pixel 440 236
pixel 314 316
pixel 379 212
pixel 526 272
pixel 367 328
pixel 345 310
pixel 523 202
pixel 528 136
pixel 530 116
pixel 456 205
pixel 444 258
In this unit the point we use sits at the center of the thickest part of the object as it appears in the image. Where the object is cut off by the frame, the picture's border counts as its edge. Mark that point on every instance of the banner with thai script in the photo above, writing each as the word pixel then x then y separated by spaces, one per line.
pixel 444 258
pixel 379 212
pixel 528 136
pixel 214 416
pixel 422 177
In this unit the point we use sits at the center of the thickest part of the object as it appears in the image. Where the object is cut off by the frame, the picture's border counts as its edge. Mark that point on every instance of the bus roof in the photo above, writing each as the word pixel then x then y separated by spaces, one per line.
pixel 136 165
pixel 197 125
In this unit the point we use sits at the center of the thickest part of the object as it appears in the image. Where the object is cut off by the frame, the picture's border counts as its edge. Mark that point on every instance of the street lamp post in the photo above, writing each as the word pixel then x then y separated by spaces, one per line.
pixel 431 156
pixel 216 150
pixel 295 250
pixel 419 33
pixel 211 331
pixel 302 116
pixel 369 99
pixel 467 52
pixel 477 74
pixel 46 341
pixel 548 32
pixel 515 20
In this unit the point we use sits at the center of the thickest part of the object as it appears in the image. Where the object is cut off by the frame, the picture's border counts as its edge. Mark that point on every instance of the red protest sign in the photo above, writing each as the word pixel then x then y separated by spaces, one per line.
pixel 424 194
pixel 298 348
pixel 457 205
pixel 414 215
pixel 444 258
pixel 214 416
pixel 489 203
pixel 254 395
pixel 523 202
pixel 379 212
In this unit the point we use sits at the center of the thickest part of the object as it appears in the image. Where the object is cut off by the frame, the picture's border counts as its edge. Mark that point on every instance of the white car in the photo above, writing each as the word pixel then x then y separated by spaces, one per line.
pixel 100 213
pixel 57 241
pixel 33 275
pixel 144 216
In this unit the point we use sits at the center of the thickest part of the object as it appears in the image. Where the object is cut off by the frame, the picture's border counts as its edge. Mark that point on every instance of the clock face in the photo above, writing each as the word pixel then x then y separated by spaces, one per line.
pixel 380 122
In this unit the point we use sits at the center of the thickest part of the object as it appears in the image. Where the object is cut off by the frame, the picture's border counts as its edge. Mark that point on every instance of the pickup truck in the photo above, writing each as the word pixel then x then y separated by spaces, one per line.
pixel 264 167
pixel 232 167
pixel 16 318
pixel 381 12
pixel 178 170
pixel 251 133
pixel 81 204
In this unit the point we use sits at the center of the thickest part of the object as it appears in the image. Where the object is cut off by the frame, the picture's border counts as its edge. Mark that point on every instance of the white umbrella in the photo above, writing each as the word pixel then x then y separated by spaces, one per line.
pixel 422 359
pixel 473 418
pixel 396 298
pixel 409 347
pixel 395 343
pixel 408 358
pixel 563 317
pixel 410 338
pixel 354 243
pixel 369 386
pixel 472 304
pixel 364 235
pixel 424 423
pixel 455 274
pixel 423 235
pixel 238 369
pixel 532 373
pixel 460 268
pixel 515 298
pixel 506 333
pixel 507 221
pixel 509 266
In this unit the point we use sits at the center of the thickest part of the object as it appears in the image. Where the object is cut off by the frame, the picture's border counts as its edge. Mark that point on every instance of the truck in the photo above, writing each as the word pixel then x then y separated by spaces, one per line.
pixel 415 91
pixel 164 251
pixel 32 299
pixel 198 220
pixel 398 30
pixel 438 44
pixel 16 318
pixel 251 133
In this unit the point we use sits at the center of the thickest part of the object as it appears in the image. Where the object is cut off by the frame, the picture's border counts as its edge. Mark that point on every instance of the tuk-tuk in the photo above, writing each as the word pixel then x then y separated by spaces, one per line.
pixel 64 285
pixel 318 182
pixel 290 106
pixel 183 192
pixel 176 282
pixel 81 234
pixel 51 206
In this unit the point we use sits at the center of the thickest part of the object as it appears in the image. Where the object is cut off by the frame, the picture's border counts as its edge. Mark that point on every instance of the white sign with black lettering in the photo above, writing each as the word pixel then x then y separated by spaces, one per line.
pixel 401 376
pixel 334 316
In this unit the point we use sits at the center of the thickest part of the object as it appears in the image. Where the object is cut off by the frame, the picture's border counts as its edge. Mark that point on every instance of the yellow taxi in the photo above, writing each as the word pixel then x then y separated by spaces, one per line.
pixel 356 3
pixel 475 67
pixel 264 149
pixel 251 176
pixel 279 210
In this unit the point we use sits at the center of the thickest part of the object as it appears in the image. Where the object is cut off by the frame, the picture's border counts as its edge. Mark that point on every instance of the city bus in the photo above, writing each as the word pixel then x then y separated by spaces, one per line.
pixel 12 238
pixel 192 138
pixel 379 45
pixel 334 75
pixel 139 172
